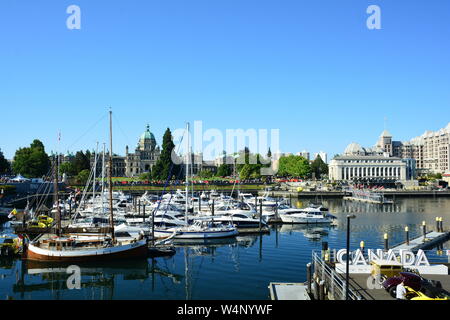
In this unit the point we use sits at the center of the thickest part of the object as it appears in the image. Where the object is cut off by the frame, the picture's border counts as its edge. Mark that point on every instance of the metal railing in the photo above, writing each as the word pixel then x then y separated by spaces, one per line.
pixel 334 282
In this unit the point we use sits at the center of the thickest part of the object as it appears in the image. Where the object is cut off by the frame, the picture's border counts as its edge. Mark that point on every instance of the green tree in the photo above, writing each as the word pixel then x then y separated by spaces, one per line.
pixel 32 161
pixel 162 167
pixel 82 161
pixel 4 164
pixel 245 172
pixel 224 170
pixel 249 165
pixel 318 167
pixel 294 166
pixel 83 176
pixel 68 168
pixel 205 174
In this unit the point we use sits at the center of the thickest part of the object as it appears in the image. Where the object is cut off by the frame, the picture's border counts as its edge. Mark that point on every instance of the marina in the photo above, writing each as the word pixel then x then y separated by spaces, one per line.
pixel 278 256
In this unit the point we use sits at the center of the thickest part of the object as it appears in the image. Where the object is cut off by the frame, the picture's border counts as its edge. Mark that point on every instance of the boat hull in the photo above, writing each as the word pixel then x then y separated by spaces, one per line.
pixel 198 234
pixel 138 249
pixel 303 220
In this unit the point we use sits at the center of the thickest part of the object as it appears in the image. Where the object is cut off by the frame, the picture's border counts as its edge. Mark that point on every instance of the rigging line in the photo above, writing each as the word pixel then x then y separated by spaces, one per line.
pixel 87 131
pixel 42 186
pixel 85 192
pixel 46 190
pixel 120 128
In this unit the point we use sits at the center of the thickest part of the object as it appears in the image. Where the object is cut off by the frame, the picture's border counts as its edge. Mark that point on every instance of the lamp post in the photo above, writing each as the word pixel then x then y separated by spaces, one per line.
pixel 347 262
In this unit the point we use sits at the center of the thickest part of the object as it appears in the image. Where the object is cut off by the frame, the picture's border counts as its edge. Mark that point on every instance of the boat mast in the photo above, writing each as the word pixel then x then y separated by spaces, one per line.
pixel 192 174
pixel 111 217
pixel 103 179
pixel 187 173
pixel 56 197
pixel 95 175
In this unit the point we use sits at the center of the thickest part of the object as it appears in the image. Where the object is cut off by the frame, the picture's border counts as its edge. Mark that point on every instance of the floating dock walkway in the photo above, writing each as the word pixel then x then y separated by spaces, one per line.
pixel 432 239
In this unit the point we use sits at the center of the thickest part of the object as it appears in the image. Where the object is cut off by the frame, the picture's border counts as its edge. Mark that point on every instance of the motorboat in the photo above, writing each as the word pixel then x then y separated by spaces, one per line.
pixel 308 215
pixel 202 230
pixel 240 220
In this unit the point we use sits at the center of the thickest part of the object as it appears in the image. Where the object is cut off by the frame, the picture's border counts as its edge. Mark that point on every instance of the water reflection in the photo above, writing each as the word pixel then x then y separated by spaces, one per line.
pixel 217 269
pixel 40 280
pixel 311 232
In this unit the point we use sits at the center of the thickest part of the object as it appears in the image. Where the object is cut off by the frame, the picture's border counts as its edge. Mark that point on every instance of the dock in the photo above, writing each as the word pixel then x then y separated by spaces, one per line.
pixel 288 291
pixel 432 239
pixel 324 282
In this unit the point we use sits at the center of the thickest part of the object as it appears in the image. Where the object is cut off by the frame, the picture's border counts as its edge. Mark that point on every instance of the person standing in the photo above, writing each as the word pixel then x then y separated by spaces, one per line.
pixel 401 291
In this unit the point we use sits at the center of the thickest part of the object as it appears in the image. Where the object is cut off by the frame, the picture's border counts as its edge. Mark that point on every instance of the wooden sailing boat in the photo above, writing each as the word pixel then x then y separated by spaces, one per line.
pixel 67 249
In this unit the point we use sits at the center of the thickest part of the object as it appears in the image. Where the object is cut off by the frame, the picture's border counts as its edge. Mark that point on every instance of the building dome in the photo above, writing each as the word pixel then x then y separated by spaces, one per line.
pixel 147 135
pixel 354 149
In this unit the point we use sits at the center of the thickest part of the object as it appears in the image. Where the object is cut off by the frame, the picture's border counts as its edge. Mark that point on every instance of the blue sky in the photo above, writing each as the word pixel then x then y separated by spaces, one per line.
pixel 309 68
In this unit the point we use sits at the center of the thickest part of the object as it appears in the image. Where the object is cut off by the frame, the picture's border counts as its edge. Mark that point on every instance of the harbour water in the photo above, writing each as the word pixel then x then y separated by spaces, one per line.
pixel 240 268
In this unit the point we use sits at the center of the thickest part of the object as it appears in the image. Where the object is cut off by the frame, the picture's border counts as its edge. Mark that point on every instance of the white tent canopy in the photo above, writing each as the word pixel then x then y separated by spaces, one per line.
pixel 19 178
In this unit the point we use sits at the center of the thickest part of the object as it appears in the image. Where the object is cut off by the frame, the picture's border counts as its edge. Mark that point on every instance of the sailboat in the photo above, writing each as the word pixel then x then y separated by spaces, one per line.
pixel 68 249
pixel 200 229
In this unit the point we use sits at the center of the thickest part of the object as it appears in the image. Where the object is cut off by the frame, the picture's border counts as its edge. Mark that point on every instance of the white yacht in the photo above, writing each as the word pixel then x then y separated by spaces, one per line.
pixel 308 215
pixel 200 230
pixel 240 220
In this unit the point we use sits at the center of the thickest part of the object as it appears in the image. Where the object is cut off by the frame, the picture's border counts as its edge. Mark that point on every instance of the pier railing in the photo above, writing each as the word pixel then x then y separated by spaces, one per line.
pixel 334 282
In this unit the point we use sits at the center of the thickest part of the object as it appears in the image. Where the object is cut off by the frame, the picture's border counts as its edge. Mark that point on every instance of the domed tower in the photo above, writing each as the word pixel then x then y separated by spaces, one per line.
pixel 147 141
pixel 385 142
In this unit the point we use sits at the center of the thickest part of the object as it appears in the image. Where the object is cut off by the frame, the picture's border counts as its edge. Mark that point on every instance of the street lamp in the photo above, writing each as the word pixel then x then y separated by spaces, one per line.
pixel 347 262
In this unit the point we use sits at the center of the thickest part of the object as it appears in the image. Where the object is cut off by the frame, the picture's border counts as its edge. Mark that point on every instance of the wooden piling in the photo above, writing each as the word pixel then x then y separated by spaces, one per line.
pixel 309 277
pixel 424 230
pixel 407 235
pixel 322 290
pixel 143 213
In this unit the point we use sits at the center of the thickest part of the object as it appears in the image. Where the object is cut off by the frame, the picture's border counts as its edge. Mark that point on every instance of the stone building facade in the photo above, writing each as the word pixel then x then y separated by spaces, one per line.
pixel 431 150
pixel 367 165
pixel 145 156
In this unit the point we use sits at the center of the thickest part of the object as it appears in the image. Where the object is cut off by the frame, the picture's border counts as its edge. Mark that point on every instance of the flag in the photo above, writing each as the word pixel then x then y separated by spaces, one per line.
pixel 12 213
